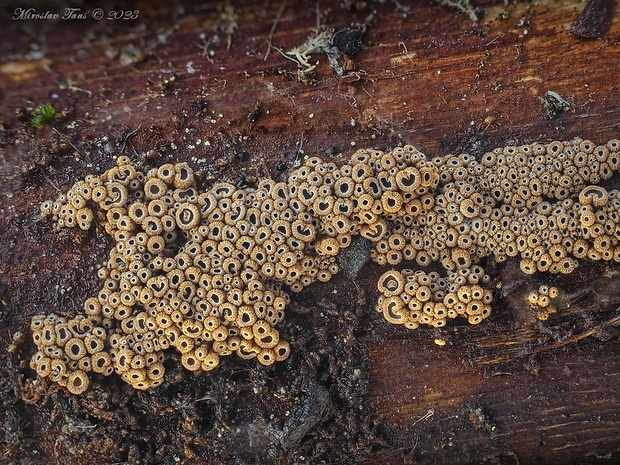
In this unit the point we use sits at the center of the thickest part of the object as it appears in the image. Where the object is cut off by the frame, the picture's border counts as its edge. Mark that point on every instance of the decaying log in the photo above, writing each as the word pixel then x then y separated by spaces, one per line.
pixel 243 90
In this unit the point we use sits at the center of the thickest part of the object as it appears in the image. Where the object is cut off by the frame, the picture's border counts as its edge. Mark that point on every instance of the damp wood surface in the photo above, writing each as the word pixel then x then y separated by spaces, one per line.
pixel 210 85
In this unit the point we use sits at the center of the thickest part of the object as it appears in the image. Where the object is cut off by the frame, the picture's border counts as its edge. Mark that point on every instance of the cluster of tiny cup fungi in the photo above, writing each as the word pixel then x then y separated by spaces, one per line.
pixel 542 301
pixel 209 273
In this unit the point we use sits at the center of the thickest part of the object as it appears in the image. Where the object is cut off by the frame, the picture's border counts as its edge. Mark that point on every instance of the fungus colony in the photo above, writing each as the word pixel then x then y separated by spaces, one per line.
pixel 541 301
pixel 208 273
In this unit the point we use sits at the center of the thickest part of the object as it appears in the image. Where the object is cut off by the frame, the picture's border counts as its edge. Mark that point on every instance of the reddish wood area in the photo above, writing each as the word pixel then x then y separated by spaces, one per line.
pixel 210 84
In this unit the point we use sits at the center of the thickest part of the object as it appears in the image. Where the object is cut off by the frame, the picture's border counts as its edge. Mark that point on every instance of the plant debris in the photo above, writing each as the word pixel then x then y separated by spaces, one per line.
pixel 554 104
pixel 594 20
pixel 463 6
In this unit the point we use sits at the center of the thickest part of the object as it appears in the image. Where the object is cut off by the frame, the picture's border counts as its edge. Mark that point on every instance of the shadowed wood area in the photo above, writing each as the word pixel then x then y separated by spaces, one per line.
pixel 245 90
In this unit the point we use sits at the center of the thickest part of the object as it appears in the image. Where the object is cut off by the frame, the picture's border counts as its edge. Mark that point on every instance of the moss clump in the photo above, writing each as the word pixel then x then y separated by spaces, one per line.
pixel 41 115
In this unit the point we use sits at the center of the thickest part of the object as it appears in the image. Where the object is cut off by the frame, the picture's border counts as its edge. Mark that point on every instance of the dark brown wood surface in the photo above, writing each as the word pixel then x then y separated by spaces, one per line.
pixel 210 84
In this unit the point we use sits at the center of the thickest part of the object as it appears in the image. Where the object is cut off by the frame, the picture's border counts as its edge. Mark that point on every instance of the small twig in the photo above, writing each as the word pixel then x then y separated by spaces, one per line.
pixel 579 337
pixel 594 20
pixel 273 29
pixel 68 141
pixel 495 39
pixel 52 184
pixel 368 93
pixel 285 55
pixel 298 149
pixel 463 6
pixel 426 416
pixel 128 136
pixel 318 16
pixel 407 54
